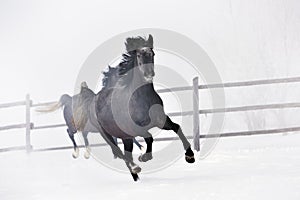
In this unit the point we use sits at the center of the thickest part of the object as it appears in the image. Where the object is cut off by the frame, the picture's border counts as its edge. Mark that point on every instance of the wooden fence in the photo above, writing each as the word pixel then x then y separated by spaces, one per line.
pixel 28 125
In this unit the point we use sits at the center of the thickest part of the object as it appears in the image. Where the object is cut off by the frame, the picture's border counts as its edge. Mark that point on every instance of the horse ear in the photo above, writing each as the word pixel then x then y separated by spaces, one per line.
pixel 128 40
pixel 130 44
pixel 150 40
pixel 84 84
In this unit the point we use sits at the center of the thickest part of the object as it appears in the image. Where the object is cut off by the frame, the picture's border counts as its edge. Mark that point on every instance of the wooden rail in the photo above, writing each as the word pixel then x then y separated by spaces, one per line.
pixel 166 139
pixel 233 84
pixel 13 104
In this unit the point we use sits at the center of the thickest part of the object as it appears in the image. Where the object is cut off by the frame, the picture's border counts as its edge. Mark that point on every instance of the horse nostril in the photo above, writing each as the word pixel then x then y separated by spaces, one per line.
pixel 149 75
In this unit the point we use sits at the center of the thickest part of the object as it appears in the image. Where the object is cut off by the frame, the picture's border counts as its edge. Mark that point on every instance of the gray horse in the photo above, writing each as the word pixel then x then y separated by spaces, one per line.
pixel 131 106
pixel 71 106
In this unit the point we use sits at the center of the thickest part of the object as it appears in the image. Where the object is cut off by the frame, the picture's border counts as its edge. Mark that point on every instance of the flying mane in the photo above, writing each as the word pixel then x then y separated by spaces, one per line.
pixel 113 74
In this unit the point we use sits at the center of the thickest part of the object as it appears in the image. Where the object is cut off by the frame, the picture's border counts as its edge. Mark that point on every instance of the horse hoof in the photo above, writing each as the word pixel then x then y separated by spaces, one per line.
pixel 75 155
pixel 86 155
pixel 135 177
pixel 190 159
pixel 145 157
pixel 87 152
pixel 189 156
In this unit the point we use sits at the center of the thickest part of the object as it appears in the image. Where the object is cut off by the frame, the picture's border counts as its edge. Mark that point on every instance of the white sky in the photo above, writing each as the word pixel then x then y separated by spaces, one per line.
pixel 44 43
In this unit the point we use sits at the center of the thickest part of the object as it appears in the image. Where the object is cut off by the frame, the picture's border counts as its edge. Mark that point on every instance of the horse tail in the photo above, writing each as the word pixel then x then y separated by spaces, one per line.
pixel 49 108
pixel 64 99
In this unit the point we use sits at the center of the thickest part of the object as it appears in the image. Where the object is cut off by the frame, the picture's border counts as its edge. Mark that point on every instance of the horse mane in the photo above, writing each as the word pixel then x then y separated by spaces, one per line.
pixel 113 74
pixel 108 79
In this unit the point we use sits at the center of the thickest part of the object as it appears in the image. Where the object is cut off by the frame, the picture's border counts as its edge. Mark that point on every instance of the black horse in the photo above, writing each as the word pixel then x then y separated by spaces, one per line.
pixel 71 104
pixel 131 106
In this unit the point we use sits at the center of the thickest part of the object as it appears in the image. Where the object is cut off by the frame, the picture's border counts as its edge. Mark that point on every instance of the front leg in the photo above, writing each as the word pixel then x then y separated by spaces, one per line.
pixel 148 155
pixel 189 154
pixel 128 147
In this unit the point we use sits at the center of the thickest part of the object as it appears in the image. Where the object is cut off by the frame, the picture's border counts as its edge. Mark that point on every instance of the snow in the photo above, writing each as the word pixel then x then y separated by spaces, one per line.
pixel 256 167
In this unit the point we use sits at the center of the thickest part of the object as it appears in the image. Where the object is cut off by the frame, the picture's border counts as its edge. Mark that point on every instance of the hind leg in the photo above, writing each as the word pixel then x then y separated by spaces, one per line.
pixel 75 154
pixel 133 168
pixel 148 155
pixel 128 147
pixel 116 143
pixel 111 142
pixel 189 154
pixel 87 145
pixel 138 144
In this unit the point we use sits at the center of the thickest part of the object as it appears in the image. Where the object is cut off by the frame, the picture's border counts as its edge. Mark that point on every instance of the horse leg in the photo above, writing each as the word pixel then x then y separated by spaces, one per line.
pixel 133 168
pixel 87 145
pixel 128 147
pixel 75 154
pixel 134 141
pixel 138 144
pixel 169 125
pixel 116 143
pixel 148 155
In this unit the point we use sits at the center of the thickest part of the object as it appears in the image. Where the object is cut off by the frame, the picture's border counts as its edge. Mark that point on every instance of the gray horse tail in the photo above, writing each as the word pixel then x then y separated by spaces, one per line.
pixel 64 99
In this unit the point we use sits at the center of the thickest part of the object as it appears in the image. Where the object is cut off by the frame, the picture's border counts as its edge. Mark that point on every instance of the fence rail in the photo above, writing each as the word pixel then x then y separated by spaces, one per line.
pixel 13 104
pixel 28 125
pixel 233 84
pixel 14 126
pixel 49 126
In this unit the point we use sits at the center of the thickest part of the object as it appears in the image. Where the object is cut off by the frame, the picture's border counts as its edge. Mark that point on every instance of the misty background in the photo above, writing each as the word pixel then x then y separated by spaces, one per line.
pixel 43 45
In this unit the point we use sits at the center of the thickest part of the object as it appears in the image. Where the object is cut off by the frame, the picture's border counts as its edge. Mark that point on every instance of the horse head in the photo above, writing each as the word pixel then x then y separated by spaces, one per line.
pixel 142 49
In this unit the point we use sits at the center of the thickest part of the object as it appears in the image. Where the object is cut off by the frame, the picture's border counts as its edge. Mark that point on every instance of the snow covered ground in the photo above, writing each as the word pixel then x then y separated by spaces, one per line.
pixel 256 167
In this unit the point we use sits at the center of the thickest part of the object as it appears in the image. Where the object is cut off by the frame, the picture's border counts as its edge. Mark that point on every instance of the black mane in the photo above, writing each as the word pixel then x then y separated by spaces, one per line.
pixel 134 43
pixel 128 60
pixel 107 81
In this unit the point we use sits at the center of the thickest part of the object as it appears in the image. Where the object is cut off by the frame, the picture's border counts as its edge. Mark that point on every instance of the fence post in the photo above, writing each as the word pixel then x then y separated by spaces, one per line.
pixel 28 124
pixel 196 120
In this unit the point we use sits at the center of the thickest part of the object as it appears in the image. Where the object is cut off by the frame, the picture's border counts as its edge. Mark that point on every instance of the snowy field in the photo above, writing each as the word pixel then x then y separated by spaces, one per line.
pixel 256 167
